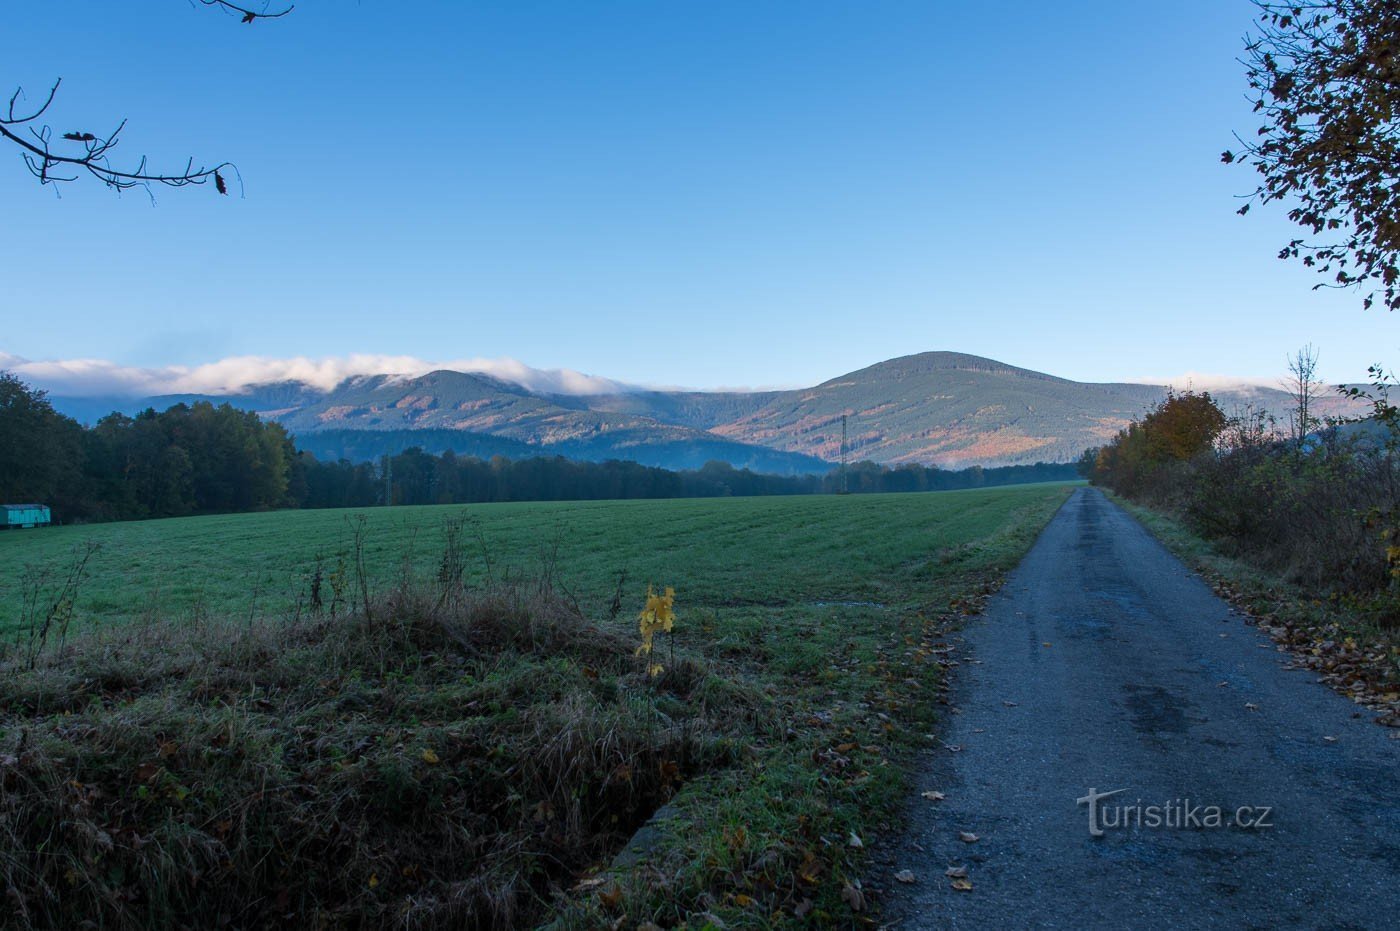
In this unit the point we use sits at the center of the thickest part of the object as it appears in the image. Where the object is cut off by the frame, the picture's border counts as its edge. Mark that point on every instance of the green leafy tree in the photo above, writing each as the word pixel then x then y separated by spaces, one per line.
pixel 41 451
pixel 1325 79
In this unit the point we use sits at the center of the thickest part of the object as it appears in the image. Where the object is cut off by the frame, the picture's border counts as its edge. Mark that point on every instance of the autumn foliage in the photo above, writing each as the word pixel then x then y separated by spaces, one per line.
pixel 1181 428
pixel 1321 511
pixel 1325 80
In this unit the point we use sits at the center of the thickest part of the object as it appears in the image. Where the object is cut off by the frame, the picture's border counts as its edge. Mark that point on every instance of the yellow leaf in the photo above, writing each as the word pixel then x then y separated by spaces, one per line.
pixel 373 880
pixel 962 885
pixel 430 757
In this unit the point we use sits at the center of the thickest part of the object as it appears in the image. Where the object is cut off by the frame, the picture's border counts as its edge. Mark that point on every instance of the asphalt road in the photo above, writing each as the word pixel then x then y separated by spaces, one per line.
pixel 1105 664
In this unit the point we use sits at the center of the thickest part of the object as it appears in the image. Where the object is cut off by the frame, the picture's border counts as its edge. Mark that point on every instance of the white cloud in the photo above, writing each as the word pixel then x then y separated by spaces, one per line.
pixel 1205 381
pixel 89 377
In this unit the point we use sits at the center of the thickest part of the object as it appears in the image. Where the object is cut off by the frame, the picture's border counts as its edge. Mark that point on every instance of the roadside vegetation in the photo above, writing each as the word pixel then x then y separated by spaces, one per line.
pixel 1298 524
pixel 453 726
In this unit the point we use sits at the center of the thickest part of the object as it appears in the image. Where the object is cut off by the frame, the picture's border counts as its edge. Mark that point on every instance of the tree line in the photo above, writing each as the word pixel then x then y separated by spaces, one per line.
pixel 206 459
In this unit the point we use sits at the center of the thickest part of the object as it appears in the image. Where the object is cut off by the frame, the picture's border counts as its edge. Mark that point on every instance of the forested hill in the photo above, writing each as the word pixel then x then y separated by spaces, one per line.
pixel 936 408
pixel 201 458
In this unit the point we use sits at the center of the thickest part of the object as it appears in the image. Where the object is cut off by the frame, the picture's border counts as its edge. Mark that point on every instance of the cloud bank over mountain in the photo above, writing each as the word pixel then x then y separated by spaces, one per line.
pixel 1207 381
pixel 97 377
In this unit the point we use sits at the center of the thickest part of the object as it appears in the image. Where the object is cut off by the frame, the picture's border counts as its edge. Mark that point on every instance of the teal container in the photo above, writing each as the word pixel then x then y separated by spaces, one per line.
pixel 24 515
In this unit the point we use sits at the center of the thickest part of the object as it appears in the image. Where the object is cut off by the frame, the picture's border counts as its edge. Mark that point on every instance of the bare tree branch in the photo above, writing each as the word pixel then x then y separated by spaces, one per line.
pixel 69 156
pixel 245 14
pixel 87 153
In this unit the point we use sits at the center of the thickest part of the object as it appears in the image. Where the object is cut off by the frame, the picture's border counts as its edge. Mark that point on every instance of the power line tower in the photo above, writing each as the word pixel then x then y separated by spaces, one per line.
pixel 844 489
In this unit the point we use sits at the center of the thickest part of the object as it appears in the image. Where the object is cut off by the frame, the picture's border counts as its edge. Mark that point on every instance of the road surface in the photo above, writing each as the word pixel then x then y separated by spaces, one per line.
pixel 1104 664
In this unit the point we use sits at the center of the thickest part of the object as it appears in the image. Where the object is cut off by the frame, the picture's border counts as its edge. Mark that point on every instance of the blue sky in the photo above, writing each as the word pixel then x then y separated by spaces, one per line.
pixel 688 193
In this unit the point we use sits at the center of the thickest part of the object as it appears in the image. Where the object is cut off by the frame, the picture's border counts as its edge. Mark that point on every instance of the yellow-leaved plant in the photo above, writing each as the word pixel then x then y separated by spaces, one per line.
pixel 658 615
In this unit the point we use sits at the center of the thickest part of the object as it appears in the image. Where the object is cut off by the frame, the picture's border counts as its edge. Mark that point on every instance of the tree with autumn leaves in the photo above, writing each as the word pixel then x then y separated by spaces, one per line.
pixel 1324 76
pixel 1181 428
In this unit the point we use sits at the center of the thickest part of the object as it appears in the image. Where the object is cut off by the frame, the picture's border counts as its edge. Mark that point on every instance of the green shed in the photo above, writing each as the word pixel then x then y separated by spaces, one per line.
pixel 24 515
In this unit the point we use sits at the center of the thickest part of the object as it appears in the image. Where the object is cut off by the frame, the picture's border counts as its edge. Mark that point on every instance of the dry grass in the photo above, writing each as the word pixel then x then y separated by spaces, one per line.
pixel 434 762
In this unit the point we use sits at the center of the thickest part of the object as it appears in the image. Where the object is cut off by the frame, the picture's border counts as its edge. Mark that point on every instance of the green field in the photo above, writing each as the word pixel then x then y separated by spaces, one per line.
pixel 721 553
pixel 206 752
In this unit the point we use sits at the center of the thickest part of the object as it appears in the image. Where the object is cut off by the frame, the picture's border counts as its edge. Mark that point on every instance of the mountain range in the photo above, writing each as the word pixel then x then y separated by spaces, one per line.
pixel 936 408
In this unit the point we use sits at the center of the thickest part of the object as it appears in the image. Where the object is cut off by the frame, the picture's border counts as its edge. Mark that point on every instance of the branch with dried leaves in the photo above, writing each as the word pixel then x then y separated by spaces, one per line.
pixel 58 158
pixel 1325 78
pixel 245 14
pixel 87 153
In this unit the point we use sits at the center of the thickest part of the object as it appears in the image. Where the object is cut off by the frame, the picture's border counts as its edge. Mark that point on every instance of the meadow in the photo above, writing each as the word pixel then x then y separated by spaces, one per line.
pixel 717 553
pixel 474 743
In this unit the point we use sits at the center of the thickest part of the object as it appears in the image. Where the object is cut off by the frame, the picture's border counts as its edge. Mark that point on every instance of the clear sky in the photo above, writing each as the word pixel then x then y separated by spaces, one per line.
pixel 698 192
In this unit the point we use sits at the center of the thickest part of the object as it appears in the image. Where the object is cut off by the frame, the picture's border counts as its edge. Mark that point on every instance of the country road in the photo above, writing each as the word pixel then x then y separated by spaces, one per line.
pixel 1105 664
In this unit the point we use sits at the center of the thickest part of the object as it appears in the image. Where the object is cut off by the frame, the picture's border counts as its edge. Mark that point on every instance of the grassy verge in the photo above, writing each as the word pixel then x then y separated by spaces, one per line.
pixel 472 747
pixel 1352 652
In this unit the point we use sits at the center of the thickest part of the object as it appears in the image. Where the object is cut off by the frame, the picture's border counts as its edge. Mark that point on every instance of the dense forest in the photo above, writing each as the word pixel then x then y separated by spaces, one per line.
pixel 206 459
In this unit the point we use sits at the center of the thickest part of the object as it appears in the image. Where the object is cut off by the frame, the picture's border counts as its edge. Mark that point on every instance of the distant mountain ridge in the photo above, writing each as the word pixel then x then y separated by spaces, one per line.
pixel 935 408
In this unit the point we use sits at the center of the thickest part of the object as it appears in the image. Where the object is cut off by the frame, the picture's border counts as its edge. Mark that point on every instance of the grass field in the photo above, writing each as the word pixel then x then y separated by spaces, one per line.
pixel 717 553
pixel 476 761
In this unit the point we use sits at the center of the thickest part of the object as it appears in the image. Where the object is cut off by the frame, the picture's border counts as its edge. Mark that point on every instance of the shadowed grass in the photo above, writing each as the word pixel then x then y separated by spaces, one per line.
pixel 443 766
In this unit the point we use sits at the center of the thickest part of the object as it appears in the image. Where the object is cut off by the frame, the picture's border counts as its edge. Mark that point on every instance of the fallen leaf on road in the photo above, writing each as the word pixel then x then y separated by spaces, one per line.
pixel 967 837
pixel 956 872
pixel 855 841
pixel 1046 643
pixel 1009 704
pixel 933 796
pixel 1250 706
pixel 962 885
pixel 905 876
pixel 1330 740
